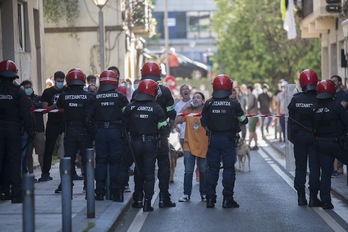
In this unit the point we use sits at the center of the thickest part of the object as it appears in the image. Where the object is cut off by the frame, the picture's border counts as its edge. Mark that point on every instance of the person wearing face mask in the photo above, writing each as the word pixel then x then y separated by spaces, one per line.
pixel 38 142
pixel 195 145
pixel 265 100
pixel 55 122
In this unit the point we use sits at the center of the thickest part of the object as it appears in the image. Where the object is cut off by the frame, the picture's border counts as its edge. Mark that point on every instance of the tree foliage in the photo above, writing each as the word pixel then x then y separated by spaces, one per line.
pixel 56 10
pixel 253 47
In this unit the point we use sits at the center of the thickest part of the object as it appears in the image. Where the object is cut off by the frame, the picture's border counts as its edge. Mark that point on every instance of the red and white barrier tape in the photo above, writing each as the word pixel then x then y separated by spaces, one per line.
pixel 248 115
pixel 45 110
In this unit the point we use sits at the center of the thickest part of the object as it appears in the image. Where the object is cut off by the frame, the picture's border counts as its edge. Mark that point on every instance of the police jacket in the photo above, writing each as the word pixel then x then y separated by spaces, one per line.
pixel 222 115
pixel 15 107
pixel 74 103
pixel 301 110
pixel 108 106
pixel 165 100
pixel 330 119
pixel 144 118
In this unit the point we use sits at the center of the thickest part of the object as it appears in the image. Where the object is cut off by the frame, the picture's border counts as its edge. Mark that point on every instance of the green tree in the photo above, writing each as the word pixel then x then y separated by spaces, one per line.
pixel 253 46
pixel 56 10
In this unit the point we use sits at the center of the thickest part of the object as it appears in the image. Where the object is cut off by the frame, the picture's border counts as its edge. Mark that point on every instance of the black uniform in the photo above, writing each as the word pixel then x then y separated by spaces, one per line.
pixel 330 122
pixel 300 127
pixel 221 117
pixel 77 138
pixel 143 120
pixel 14 109
pixel 107 113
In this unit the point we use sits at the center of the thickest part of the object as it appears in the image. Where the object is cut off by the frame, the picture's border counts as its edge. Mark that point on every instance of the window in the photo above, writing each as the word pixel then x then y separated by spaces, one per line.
pixel 199 24
pixel 23 27
pixel 187 25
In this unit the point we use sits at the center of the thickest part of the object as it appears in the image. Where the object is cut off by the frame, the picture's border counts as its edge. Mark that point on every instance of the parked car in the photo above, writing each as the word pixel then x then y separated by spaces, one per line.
pixel 187 68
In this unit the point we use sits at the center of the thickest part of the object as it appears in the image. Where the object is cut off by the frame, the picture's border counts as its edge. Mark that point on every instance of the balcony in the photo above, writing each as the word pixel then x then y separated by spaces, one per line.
pixel 139 18
pixel 316 19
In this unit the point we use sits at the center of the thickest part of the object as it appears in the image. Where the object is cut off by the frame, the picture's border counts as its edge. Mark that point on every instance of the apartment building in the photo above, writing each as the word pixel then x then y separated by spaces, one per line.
pixel 317 22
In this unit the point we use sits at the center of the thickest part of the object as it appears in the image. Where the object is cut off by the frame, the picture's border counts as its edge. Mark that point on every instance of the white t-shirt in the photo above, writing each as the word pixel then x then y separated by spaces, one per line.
pixel 177 108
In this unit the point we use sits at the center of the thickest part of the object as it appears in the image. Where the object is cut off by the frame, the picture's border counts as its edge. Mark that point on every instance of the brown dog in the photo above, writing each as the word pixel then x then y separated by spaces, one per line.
pixel 243 152
pixel 173 159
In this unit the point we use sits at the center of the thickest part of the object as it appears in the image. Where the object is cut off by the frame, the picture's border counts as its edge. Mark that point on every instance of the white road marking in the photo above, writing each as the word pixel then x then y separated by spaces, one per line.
pixel 322 213
pixel 141 216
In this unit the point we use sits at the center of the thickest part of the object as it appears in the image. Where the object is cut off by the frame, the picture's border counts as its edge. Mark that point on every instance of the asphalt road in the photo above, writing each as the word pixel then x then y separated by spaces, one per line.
pixel 267 201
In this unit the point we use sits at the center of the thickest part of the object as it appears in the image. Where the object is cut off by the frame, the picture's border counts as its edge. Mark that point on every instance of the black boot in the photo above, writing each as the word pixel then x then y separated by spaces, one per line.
pixel 313 199
pixel 138 201
pixel 165 202
pixel 301 200
pixel 5 193
pixel 211 201
pixel 229 202
pixel 117 196
pixel 147 206
pixel 327 205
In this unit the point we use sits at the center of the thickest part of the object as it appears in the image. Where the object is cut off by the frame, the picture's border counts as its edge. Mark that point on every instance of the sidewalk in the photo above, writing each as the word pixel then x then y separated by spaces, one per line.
pixel 339 184
pixel 48 209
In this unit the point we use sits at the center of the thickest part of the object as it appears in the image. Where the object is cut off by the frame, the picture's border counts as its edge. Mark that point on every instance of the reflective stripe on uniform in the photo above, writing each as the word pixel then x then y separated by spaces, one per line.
pixel 170 108
pixel 161 124
pixel 241 118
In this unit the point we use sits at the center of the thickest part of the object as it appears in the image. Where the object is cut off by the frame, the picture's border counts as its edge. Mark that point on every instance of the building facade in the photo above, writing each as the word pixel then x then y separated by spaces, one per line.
pixel 317 22
pixel 189 27
pixel 21 39
pixel 122 40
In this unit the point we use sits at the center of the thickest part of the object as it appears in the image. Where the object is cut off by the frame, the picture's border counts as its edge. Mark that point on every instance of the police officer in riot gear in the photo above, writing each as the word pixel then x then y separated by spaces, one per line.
pixel 74 102
pixel 151 70
pixel 220 117
pixel 300 129
pixel 330 123
pixel 145 119
pixel 107 113
pixel 14 109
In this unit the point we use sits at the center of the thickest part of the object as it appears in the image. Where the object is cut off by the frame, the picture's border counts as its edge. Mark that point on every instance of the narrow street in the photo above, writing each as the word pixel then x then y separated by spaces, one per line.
pixel 268 202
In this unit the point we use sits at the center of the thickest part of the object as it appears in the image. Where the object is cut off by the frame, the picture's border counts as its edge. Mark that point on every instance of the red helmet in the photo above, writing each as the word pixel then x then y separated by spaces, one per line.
pixel 308 80
pixel 151 70
pixel 108 80
pixel 75 77
pixel 222 86
pixel 8 69
pixel 122 89
pixel 326 89
pixel 147 90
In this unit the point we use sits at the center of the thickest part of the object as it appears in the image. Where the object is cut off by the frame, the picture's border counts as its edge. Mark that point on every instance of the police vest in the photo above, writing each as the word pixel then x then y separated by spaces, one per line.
pixel 74 104
pixel 327 120
pixel 9 104
pixel 221 115
pixel 108 106
pixel 303 107
pixel 143 117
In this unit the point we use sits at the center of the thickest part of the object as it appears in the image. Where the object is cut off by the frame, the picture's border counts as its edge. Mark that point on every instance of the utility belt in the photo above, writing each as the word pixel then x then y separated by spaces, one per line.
pixel 75 123
pixel 232 135
pixel 109 124
pixel 342 141
pixel 144 138
pixel 328 139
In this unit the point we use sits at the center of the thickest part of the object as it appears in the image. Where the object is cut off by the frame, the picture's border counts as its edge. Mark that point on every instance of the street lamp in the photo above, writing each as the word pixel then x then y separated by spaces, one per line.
pixel 101 4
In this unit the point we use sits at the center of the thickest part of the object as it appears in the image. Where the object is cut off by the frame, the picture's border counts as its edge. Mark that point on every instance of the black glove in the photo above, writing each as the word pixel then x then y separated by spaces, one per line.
pixel 31 134
pixel 89 124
